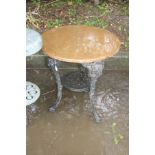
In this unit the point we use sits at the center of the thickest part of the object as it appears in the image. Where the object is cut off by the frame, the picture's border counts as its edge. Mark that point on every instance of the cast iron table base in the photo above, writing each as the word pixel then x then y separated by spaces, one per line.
pixel 94 72
pixel 77 81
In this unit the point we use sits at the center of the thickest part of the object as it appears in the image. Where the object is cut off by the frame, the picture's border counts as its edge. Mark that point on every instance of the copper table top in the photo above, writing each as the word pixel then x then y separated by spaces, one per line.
pixel 79 44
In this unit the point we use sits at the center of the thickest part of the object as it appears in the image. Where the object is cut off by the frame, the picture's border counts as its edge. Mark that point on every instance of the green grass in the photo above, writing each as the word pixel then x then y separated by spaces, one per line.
pixel 103 9
pixel 36 2
pixel 126 44
pixel 120 27
pixel 71 12
pixel 125 10
pixel 78 2
pixel 74 21
pixel 54 23
pixel 96 22
pixel 57 4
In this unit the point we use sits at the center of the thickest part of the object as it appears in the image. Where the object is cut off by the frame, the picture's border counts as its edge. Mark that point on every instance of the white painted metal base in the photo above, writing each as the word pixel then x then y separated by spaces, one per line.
pixel 32 93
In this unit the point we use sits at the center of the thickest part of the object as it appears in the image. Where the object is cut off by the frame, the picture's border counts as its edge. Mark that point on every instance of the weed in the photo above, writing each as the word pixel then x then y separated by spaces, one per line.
pixel 32 20
pixel 117 137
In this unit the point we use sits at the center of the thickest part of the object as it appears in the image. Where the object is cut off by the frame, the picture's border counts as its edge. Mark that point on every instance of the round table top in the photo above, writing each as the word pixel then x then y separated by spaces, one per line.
pixel 79 44
pixel 33 42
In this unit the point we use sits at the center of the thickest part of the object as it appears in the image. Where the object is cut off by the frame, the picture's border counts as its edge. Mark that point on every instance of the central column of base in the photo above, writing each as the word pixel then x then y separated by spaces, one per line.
pixel 77 81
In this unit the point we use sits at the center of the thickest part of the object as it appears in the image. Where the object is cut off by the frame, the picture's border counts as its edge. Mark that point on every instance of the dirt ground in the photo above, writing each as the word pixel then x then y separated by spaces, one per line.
pixel 44 15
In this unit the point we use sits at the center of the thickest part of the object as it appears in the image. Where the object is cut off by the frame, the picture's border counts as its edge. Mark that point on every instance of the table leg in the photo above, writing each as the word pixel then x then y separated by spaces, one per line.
pixel 53 66
pixel 94 72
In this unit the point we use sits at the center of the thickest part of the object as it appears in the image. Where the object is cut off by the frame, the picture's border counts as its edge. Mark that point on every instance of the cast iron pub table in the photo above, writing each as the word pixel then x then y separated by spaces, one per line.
pixel 85 45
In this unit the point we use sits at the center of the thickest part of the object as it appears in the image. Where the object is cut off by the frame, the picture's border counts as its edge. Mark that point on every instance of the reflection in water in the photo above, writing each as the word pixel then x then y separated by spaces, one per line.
pixel 107 103
pixel 71 129
pixel 30 110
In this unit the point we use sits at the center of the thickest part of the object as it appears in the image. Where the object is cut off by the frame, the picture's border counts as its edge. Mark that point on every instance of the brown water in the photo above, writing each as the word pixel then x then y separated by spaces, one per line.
pixel 71 129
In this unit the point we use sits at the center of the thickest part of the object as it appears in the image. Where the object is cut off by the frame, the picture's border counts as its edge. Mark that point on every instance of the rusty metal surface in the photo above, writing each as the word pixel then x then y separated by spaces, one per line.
pixel 80 44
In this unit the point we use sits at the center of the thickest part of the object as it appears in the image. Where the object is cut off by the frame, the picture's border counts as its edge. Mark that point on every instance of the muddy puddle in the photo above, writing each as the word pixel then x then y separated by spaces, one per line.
pixel 71 130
